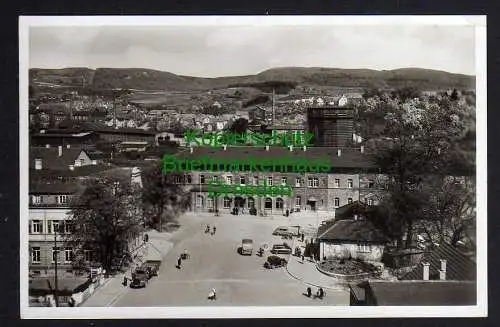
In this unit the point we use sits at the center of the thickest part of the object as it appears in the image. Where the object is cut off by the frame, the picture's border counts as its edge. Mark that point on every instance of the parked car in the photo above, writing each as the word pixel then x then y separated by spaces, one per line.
pixel 287 231
pixel 281 249
pixel 246 246
pixel 151 267
pixel 274 261
pixel 281 231
pixel 139 278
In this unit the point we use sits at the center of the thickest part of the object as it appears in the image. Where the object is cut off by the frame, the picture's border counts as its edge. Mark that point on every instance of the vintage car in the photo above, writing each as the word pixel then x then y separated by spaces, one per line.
pixel 139 278
pixel 151 267
pixel 246 246
pixel 281 249
pixel 274 261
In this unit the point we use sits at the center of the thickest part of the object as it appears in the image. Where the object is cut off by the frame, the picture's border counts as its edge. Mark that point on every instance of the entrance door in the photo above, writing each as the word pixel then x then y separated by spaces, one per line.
pixel 239 202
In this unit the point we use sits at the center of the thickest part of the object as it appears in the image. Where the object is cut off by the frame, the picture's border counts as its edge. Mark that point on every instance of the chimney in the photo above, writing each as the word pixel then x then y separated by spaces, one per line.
pixel 71 167
pixel 339 152
pixel 267 147
pixel 426 266
pixel 442 271
pixel 38 164
pixel 362 149
pixel 304 148
pixel 68 146
pixel 47 146
pixel 59 148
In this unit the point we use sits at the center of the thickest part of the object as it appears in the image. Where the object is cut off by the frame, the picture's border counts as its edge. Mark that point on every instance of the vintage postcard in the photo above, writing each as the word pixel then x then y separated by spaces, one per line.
pixel 253 166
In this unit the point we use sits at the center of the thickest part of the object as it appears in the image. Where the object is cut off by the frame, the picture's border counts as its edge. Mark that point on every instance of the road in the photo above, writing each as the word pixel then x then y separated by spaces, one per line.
pixel 215 263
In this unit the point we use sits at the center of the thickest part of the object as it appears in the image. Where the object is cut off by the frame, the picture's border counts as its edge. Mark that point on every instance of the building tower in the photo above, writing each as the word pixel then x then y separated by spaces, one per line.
pixel 332 125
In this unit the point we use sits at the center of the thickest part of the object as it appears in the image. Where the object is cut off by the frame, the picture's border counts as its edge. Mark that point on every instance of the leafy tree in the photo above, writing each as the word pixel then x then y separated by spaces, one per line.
pixel 419 139
pixel 240 126
pixel 106 216
pixel 162 199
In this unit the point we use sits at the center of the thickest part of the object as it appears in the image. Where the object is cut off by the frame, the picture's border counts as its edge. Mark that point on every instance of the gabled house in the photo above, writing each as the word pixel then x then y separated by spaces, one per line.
pixel 351 238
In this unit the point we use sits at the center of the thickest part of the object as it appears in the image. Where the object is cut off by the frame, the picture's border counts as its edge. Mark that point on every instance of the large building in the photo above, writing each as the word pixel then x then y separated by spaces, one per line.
pixel 352 178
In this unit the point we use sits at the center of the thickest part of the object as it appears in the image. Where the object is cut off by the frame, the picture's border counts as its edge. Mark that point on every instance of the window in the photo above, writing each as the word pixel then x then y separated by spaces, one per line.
pixel 68 254
pixel 349 183
pixel 210 203
pixel 297 182
pixel 370 202
pixel 35 255
pixel 279 203
pixel 251 203
pixel 229 180
pixel 336 183
pixel 298 201
pixel 315 182
pixel 256 180
pixel 242 180
pixel 55 254
pixel 215 178
pixel 62 199
pixel 284 181
pixel 36 199
pixel 87 255
pixel 188 179
pixel 227 202
pixel 82 162
pixel 349 200
pixel 268 204
pixel 371 183
pixel 36 226
pixel 270 181
pixel 68 227
pixel 177 179
pixel 336 202
pixel 199 201
pixel 202 179
pixel 310 182
pixel 363 248
pixel 53 226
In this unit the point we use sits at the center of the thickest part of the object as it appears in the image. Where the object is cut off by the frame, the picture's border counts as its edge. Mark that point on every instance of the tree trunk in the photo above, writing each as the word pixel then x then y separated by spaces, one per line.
pixel 409 233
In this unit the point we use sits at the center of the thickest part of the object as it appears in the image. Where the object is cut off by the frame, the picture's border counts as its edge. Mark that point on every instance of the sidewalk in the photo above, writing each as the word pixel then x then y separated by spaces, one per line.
pixel 307 273
pixel 157 247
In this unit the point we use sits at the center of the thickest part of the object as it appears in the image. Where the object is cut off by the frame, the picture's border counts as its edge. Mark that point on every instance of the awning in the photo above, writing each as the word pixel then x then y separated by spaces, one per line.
pixel 312 199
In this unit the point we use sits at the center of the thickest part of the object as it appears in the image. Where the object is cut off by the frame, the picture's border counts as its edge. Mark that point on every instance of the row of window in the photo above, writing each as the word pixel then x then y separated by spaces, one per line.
pixel 68 255
pixel 60 199
pixel 53 226
pixel 311 181
pixel 267 202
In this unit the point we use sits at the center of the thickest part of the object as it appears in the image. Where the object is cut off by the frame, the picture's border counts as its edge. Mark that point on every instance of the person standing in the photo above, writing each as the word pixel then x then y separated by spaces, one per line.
pixel 179 262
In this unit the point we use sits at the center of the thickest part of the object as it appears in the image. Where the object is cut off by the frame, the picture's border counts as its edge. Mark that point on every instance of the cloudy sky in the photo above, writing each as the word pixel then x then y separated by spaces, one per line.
pixel 211 51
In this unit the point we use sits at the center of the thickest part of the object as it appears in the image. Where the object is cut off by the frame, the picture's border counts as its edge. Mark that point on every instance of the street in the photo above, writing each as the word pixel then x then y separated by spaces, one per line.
pixel 215 263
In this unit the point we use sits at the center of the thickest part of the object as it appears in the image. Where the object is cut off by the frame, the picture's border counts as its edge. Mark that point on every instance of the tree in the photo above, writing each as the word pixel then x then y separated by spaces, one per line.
pixel 106 216
pixel 239 126
pixel 419 140
pixel 162 199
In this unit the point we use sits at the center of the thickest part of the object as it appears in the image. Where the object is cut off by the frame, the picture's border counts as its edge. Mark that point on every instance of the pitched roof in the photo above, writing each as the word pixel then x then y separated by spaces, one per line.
pixel 51 159
pixel 351 230
pixel 349 158
pixel 421 292
pixel 458 266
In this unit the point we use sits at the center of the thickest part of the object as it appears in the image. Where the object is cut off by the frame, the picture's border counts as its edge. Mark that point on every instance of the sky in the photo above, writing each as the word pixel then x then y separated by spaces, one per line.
pixel 213 51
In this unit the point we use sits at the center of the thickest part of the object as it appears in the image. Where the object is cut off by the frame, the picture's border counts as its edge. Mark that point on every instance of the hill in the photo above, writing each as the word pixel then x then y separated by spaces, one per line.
pixel 148 79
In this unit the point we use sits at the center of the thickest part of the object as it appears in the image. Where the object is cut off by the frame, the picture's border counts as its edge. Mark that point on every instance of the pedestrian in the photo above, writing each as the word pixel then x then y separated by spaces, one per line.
pixel 309 292
pixel 213 294
pixel 320 293
pixel 214 230
pixel 302 237
pixel 302 258
pixel 179 261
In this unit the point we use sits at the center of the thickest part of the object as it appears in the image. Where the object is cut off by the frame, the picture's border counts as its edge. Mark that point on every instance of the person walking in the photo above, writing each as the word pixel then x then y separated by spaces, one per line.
pixel 213 233
pixel 309 292
pixel 179 262
pixel 213 294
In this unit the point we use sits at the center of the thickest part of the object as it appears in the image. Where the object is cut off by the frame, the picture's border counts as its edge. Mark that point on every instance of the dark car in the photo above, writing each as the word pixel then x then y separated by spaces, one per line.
pixel 151 267
pixel 139 278
pixel 281 249
pixel 274 261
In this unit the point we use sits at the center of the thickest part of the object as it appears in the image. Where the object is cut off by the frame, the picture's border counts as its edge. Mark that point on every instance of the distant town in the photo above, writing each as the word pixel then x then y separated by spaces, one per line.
pixel 391 223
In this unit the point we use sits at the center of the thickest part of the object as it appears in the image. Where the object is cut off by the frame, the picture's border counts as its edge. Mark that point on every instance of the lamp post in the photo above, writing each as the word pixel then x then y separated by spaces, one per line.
pixel 56 252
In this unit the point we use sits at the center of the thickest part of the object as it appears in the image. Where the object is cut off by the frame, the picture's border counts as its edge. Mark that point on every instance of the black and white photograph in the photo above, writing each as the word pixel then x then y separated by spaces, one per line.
pixel 253 166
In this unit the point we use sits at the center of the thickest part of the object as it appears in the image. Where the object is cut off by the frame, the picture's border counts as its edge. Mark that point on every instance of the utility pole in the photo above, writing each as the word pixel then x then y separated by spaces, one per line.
pixel 56 251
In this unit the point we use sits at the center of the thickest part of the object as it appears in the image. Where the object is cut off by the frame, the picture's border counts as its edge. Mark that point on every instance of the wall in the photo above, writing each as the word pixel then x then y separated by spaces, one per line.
pixel 342 250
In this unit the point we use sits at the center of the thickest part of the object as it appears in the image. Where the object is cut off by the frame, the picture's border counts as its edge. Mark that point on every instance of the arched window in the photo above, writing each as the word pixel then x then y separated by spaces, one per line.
pixel 268 204
pixel 279 203
pixel 251 202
